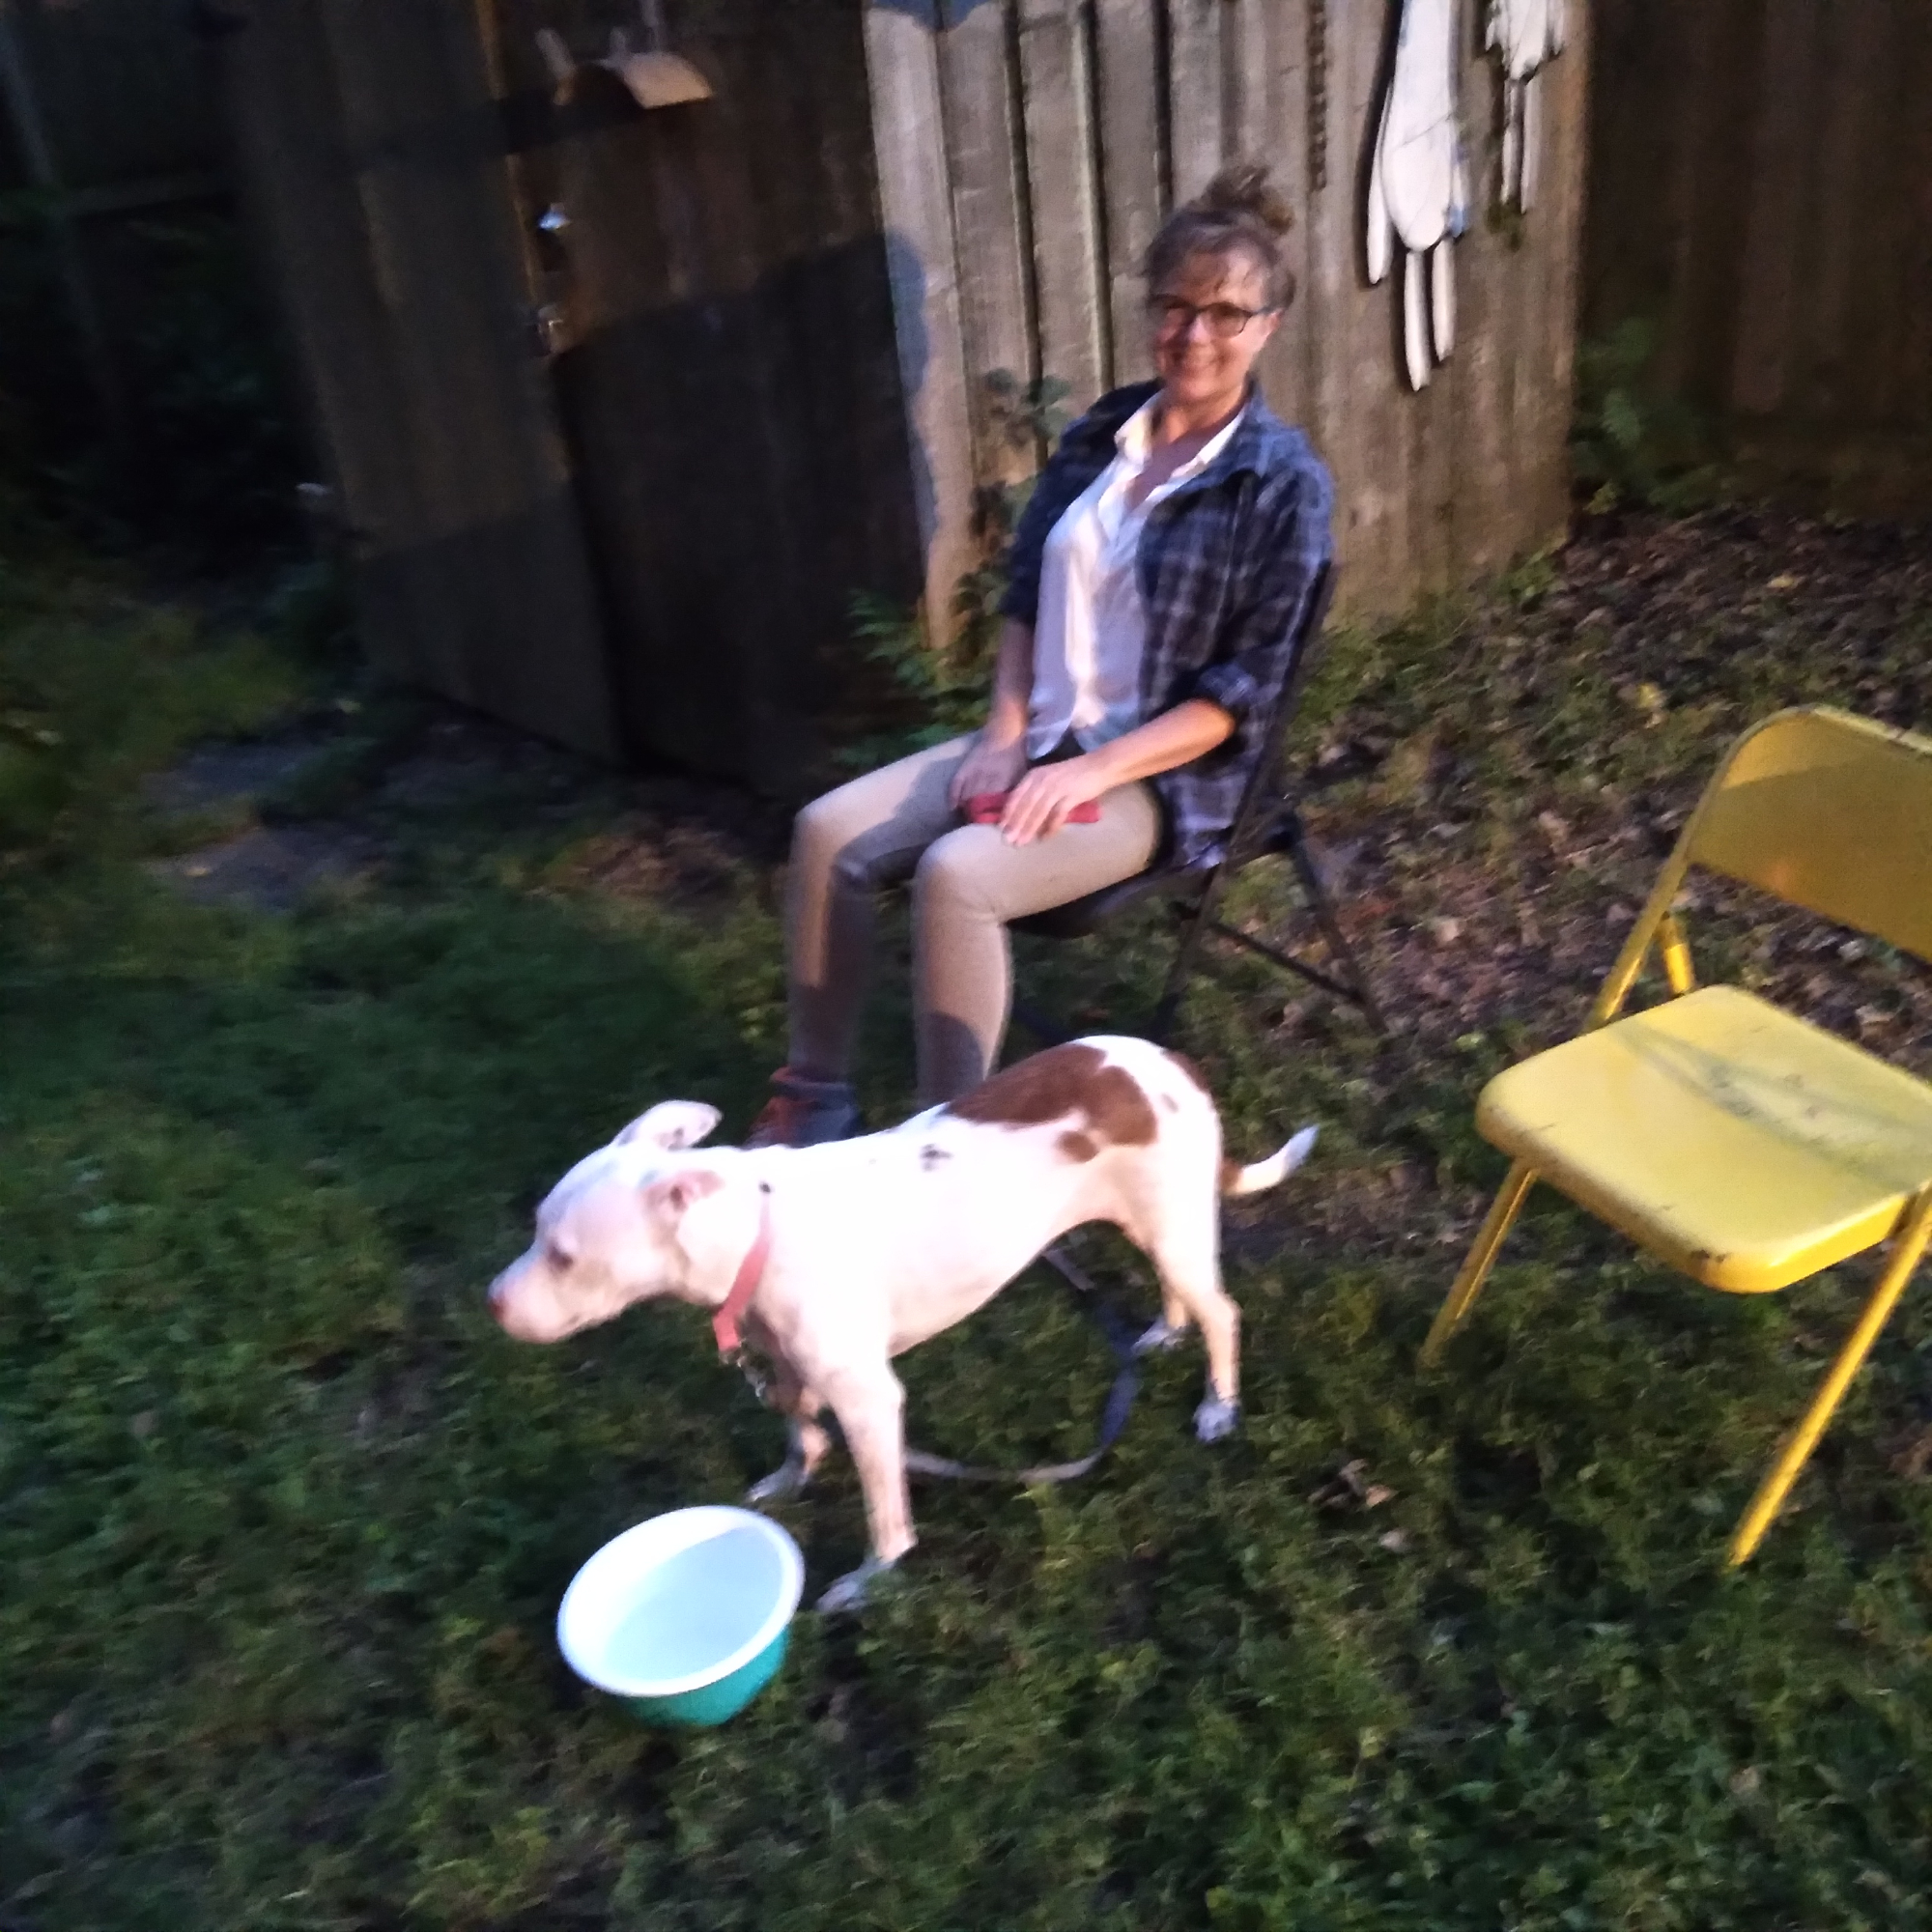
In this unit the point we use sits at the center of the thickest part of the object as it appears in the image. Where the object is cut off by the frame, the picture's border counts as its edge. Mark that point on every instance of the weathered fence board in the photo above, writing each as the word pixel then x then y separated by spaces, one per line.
pixel 1128 56
pixel 1057 84
pixel 1119 107
pixel 983 142
pixel 1196 94
pixel 909 131
pixel 1759 173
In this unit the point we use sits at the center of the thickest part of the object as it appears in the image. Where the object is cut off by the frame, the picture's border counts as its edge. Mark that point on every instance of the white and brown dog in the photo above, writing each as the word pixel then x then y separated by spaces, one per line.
pixel 836 1259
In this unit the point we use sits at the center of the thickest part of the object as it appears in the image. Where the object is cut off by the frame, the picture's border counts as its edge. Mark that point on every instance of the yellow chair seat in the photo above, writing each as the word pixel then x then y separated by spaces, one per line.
pixel 1740 1144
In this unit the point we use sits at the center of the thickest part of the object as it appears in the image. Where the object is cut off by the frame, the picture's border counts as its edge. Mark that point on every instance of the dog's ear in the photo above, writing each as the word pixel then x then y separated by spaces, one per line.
pixel 671 1124
pixel 672 1196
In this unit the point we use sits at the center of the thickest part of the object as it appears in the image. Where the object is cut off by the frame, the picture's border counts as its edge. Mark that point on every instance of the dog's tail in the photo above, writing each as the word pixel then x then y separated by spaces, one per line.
pixel 1262 1174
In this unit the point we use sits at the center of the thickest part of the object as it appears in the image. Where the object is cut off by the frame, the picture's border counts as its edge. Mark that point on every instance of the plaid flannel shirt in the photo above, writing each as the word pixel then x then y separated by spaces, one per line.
pixel 1226 565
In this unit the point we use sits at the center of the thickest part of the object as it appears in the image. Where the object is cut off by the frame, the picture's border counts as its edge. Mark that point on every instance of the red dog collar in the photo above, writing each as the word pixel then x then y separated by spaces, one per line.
pixel 751 1271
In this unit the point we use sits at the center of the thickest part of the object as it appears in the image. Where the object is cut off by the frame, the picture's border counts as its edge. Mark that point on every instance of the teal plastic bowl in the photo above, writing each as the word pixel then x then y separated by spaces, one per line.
pixel 685 1616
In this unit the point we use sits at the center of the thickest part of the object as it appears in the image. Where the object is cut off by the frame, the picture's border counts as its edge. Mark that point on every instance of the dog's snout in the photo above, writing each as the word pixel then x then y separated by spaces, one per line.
pixel 500 1300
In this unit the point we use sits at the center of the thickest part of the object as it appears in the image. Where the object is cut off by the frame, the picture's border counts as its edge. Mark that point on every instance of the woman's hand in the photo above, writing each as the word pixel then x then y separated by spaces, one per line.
pixel 1043 799
pixel 998 756
pixel 992 763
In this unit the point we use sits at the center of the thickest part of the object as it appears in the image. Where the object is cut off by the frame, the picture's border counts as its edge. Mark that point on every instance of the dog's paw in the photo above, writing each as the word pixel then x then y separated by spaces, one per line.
pixel 784 1483
pixel 1216 1420
pixel 1157 1337
pixel 851 1592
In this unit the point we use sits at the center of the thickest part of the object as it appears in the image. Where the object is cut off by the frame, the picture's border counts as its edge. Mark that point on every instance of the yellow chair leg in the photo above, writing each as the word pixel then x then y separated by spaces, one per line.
pixel 1797 1451
pixel 1676 951
pixel 1481 1257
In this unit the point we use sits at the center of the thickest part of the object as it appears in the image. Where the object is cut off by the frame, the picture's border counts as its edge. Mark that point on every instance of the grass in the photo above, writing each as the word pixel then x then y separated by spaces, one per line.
pixel 285 1520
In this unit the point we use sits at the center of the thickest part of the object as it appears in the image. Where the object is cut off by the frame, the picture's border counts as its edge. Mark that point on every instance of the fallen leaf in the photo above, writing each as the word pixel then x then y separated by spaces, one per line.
pixel 1447 931
pixel 1394 1541
pixel 1914 1458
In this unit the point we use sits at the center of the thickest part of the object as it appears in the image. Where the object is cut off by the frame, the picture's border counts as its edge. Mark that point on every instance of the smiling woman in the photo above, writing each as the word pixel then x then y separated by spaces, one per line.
pixel 1158 580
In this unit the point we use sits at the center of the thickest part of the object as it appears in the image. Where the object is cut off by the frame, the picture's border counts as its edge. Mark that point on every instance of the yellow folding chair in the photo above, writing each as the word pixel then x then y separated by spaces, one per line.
pixel 1744 1146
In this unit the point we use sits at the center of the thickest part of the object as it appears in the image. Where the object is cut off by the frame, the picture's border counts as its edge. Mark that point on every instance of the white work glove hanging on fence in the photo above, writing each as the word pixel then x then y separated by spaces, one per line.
pixel 1525 35
pixel 1418 181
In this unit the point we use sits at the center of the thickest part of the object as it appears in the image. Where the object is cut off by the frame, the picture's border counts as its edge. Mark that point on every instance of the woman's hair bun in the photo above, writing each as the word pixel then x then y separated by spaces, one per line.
pixel 1239 209
pixel 1243 188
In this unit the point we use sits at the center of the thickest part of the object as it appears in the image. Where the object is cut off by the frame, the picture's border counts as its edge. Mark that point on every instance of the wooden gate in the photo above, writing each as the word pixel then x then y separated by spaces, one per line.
pixel 373 150
pixel 714 291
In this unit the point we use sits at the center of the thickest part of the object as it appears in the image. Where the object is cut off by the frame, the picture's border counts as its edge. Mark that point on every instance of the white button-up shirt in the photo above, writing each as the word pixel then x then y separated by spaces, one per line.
pixel 1092 626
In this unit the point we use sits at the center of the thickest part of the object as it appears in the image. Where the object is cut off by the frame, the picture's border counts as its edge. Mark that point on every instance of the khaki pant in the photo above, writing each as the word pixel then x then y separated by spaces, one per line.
pixel 967 882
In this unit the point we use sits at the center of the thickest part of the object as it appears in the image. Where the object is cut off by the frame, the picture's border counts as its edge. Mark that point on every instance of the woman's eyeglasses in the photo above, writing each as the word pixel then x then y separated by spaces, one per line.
pixel 1225 320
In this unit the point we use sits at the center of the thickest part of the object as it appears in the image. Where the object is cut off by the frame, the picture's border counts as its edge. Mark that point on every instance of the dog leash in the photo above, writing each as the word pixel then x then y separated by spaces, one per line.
pixel 1121 1336
pixel 1119 1330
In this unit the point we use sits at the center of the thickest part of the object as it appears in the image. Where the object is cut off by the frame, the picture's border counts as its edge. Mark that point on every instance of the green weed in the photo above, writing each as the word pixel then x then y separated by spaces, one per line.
pixel 99 687
pixel 943 686
pixel 1631 442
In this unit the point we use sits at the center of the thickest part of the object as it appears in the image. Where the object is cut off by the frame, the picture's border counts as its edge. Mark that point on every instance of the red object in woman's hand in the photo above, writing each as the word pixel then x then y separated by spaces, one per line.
pixel 986 807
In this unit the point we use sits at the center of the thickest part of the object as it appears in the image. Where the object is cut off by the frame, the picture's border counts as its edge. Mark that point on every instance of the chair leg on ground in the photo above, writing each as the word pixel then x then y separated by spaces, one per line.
pixel 1798 1448
pixel 1353 986
pixel 1168 1006
pixel 1317 894
pixel 1481 1257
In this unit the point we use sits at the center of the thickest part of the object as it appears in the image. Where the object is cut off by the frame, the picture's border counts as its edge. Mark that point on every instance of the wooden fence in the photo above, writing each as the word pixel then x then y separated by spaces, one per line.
pixel 622 407
pixel 1027 151
pixel 1761 179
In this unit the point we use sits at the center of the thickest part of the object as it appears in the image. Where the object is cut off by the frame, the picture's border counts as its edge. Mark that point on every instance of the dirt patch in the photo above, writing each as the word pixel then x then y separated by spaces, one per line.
pixel 271 868
pixel 325 809
pixel 214 775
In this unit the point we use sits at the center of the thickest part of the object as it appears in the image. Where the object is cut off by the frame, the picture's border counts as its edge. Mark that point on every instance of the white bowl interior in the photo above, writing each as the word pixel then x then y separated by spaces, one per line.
pixel 680 1601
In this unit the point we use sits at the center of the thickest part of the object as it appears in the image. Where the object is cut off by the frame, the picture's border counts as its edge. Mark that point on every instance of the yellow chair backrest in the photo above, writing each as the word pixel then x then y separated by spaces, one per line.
pixel 1829 812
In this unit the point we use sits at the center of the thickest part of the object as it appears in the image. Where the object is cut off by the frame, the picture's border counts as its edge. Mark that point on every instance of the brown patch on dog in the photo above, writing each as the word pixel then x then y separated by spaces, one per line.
pixel 1061 1081
pixel 1231 1175
pixel 1078 1146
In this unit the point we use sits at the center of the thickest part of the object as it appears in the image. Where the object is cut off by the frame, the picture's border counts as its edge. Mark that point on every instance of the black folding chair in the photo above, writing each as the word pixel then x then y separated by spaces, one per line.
pixel 1266 822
